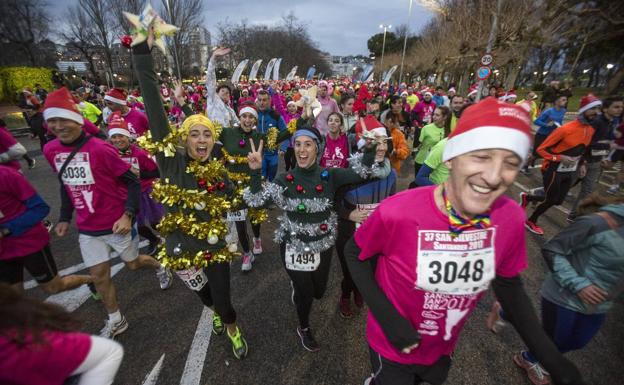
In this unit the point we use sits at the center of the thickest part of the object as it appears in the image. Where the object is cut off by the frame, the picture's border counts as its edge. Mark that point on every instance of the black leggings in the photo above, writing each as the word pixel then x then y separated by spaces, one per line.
pixel 556 187
pixel 148 234
pixel 241 229
pixel 308 285
pixel 217 291
pixel 388 372
pixel 289 159
pixel 345 231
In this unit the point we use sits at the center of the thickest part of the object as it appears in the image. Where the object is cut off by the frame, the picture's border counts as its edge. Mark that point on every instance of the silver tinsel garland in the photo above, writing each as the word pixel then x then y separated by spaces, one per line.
pixel 273 191
pixel 376 170
pixel 288 231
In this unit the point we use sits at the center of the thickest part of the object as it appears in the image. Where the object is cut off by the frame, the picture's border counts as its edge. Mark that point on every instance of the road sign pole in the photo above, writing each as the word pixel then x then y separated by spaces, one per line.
pixel 488 50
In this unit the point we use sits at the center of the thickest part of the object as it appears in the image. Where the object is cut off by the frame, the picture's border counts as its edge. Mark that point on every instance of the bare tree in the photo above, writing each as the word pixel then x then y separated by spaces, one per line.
pixel 98 13
pixel 118 7
pixel 187 16
pixel 24 23
pixel 79 35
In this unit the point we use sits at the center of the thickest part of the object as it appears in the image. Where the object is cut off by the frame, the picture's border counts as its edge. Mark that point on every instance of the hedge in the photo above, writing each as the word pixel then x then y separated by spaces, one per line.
pixel 14 79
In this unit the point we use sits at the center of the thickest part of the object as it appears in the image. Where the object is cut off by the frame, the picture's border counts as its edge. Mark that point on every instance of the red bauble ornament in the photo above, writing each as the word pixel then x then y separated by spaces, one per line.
pixel 299 188
pixel 208 256
pixel 126 41
pixel 202 183
pixel 221 185
pixel 319 188
pixel 324 227
pixel 290 177
pixel 210 188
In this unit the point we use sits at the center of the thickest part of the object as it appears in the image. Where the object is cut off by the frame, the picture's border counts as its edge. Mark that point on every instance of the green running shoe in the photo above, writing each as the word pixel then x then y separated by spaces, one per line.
pixel 217 324
pixel 239 345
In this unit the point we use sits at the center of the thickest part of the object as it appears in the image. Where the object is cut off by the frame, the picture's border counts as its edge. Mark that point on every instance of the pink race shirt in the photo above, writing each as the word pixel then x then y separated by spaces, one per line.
pixel 137 122
pixel 433 279
pixel 47 363
pixel 141 160
pixel 14 190
pixel 7 141
pixel 92 182
pixel 336 152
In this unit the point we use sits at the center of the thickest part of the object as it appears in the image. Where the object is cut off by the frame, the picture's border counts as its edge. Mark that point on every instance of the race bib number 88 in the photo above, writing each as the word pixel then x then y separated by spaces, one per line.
pixel 461 265
pixel 301 261
pixel 194 278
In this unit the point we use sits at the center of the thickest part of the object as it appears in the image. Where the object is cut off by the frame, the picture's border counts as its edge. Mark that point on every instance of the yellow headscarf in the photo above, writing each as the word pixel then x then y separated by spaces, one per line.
pixel 199 120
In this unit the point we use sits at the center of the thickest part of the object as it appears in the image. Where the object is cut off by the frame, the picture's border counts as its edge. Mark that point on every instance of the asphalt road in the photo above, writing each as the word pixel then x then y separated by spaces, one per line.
pixel 169 339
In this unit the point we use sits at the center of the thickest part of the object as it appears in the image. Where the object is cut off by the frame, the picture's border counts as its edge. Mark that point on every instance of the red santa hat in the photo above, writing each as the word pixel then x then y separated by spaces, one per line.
pixel 589 101
pixel 117 125
pixel 60 104
pixel 491 124
pixel 371 128
pixel 249 110
pixel 117 96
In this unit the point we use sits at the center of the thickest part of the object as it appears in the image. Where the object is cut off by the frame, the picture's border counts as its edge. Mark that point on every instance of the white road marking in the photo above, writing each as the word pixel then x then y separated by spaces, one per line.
pixel 199 347
pixel 73 299
pixel 70 270
pixel 152 376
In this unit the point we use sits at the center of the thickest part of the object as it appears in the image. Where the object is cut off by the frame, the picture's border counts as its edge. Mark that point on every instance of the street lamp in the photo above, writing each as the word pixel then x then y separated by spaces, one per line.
pixel 409 14
pixel 383 44
pixel 609 66
pixel 585 71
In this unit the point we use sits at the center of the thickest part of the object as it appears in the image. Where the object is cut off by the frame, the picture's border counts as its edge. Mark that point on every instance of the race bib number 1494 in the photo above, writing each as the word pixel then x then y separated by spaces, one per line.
pixel 461 265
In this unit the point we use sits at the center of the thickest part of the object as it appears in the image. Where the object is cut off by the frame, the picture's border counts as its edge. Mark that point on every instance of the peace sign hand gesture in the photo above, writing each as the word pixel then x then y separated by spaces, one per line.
pixel 254 158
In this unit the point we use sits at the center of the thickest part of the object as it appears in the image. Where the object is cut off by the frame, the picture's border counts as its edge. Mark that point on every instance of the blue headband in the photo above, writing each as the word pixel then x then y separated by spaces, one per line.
pixel 304 132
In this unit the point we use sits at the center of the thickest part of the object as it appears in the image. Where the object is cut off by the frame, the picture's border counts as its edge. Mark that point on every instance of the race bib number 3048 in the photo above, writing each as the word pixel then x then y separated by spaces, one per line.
pixel 461 265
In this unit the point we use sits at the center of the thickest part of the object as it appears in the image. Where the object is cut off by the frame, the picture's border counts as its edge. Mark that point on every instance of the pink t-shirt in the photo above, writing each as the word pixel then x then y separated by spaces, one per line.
pixel 92 182
pixel 7 141
pixel 141 160
pixel 336 152
pixel 49 363
pixel 432 279
pixel 14 190
pixel 137 122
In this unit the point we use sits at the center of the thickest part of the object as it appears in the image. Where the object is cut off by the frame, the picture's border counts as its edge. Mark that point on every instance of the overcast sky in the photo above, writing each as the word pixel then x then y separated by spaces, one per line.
pixel 340 27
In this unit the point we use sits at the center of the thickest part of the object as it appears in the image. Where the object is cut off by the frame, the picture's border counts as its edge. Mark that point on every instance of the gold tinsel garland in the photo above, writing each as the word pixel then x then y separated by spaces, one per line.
pixel 271 138
pixel 191 225
pixel 171 195
pixel 237 159
pixel 170 142
pixel 292 126
pixel 210 171
pixel 258 216
pixel 202 258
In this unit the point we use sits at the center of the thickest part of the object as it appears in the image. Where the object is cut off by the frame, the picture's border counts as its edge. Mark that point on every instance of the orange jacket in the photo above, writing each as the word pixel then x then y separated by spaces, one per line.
pixel 570 139
pixel 401 151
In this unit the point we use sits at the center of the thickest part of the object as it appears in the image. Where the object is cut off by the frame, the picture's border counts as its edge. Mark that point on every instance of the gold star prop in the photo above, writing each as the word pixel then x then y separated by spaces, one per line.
pixel 141 24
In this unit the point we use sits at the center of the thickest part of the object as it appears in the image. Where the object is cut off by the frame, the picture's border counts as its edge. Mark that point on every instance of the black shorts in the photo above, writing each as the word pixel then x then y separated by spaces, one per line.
pixel 39 264
pixel 616 156
pixel 386 372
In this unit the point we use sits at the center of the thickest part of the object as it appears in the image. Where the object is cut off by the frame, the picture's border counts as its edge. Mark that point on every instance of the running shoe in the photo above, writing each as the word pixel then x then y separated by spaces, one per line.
pixel 613 190
pixel 533 227
pixel 345 307
pixel 239 345
pixel 524 202
pixel 248 259
pixel 112 329
pixel 495 322
pixel 257 246
pixel 152 248
pixel 217 324
pixel 536 374
pixel 31 163
pixel 165 278
pixel 307 339
pixel 357 298
pixel 94 293
pixel 571 218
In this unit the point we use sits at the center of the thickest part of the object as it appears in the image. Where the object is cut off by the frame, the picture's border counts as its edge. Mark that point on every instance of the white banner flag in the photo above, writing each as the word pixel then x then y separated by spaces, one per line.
pixel 389 74
pixel 267 72
pixel 239 71
pixel 291 74
pixel 276 68
pixel 254 70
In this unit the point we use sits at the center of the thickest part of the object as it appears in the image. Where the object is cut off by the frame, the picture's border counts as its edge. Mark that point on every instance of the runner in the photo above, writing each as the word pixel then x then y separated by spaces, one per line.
pixel 24 240
pixel 99 185
pixel 400 151
pixel 431 134
pixel 307 229
pixel 434 264
pixel 10 149
pixel 329 105
pixel 547 122
pixel 218 107
pixel 433 170
pixel 115 99
pixel 150 212
pixel 193 227
pixel 337 148
pixel 562 151
pixel 354 203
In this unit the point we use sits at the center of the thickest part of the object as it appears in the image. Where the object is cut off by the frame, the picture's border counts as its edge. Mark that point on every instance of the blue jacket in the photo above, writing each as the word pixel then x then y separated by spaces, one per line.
pixel 546 119
pixel 267 119
pixel 586 252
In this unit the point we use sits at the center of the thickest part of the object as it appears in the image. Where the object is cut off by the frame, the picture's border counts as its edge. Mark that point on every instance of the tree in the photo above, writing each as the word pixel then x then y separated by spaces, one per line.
pixel 98 14
pixel 23 24
pixel 79 35
pixel 187 16
pixel 375 43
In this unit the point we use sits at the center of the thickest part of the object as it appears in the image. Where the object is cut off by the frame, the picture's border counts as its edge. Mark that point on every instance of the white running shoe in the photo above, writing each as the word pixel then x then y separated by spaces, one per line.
pixel 165 278
pixel 248 259
pixel 257 246
pixel 112 329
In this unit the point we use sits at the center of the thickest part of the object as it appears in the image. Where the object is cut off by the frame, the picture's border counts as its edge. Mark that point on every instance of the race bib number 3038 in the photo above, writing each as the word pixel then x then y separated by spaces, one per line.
pixel 461 265
pixel 78 171
pixel 301 261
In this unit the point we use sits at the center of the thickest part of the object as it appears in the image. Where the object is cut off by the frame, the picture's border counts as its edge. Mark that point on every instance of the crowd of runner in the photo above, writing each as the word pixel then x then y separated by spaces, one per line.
pixel 133 164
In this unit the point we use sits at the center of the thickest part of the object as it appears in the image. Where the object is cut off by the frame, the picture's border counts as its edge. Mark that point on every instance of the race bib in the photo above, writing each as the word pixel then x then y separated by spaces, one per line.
pixel 237 216
pixel 567 167
pixel 78 171
pixel 366 207
pixel 599 152
pixel 301 261
pixel 194 278
pixel 461 265
pixel 132 161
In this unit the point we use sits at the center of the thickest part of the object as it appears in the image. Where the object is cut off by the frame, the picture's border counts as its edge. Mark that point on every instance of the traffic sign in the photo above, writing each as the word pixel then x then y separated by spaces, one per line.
pixel 487 59
pixel 484 73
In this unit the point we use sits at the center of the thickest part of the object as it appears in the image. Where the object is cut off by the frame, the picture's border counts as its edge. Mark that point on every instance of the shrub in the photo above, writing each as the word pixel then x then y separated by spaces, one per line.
pixel 14 79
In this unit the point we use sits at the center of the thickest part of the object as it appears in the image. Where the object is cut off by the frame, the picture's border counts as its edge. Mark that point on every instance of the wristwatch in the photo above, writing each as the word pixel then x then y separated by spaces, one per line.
pixel 129 214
